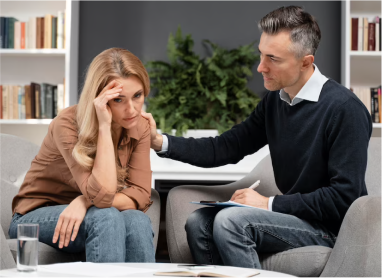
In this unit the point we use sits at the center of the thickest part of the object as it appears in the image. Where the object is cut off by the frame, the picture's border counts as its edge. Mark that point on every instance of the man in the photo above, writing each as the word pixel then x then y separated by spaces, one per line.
pixel 318 134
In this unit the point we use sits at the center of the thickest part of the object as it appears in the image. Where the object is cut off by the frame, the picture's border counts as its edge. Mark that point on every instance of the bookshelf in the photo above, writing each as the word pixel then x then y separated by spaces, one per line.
pixel 22 66
pixel 360 68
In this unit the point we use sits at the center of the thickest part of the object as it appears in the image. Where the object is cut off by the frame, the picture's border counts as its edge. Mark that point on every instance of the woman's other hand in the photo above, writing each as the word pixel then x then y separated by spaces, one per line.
pixel 70 220
pixel 111 90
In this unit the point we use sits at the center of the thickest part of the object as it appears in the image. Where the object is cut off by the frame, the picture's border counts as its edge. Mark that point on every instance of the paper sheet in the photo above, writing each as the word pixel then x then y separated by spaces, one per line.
pixel 93 269
pixel 224 204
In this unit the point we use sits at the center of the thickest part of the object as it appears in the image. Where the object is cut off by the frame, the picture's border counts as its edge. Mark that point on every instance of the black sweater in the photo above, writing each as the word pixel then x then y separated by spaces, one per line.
pixel 318 151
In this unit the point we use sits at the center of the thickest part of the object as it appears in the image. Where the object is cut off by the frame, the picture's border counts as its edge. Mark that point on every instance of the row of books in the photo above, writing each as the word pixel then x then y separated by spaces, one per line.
pixel 32 101
pixel 371 97
pixel 365 35
pixel 38 32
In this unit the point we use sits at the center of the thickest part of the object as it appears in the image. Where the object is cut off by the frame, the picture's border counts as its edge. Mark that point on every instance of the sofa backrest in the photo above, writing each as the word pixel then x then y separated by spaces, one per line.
pixel 16 156
pixel 373 170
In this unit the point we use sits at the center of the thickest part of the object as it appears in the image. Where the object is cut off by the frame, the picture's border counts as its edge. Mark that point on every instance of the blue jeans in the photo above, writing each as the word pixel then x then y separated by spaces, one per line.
pixel 234 236
pixel 107 235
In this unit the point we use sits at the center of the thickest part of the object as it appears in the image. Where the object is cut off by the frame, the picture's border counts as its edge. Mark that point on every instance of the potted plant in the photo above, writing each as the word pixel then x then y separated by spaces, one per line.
pixel 201 93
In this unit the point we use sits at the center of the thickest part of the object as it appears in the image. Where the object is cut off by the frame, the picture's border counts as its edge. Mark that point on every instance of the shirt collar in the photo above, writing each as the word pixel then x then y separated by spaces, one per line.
pixel 310 91
pixel 130 133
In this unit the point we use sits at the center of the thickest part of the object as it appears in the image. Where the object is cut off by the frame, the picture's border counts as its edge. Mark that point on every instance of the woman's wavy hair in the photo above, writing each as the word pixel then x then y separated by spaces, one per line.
pixel 111 64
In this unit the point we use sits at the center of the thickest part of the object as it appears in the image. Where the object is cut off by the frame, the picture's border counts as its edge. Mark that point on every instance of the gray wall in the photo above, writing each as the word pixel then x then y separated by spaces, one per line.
pixel 144 27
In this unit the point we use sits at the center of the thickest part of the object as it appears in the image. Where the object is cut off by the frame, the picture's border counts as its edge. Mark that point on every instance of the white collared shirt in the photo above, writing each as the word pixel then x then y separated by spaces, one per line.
pixel 310 91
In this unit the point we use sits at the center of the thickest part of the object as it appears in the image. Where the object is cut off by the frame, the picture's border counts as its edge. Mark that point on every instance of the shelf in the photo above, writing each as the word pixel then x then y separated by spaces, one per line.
pixel 366 53
pixel 28 121
pixel 32 52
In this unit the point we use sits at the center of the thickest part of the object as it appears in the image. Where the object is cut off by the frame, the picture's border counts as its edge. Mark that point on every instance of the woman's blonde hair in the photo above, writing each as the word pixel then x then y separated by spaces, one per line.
pixel 111 64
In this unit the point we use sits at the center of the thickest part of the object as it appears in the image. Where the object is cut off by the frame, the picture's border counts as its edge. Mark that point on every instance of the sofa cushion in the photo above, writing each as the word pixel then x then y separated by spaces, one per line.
pixel 306 261
pixel 48 254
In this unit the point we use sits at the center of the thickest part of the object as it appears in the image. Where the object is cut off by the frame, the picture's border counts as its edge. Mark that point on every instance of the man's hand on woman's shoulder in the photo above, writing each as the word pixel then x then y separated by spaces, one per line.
pixel 156 138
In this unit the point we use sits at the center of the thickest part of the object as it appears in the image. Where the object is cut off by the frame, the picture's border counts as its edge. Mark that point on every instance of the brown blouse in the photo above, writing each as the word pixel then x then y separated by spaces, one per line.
pixel 55 178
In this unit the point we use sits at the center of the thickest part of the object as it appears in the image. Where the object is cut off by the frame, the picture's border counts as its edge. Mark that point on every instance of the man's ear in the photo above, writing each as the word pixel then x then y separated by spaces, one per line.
pixel 307 62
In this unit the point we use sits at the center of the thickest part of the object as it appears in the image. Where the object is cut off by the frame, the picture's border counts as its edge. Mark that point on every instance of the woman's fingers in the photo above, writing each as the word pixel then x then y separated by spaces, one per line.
pixel 101 101
pixel 76 228
pixel 57 230
pixel 63 232
pixel 68 233
pixel 109 86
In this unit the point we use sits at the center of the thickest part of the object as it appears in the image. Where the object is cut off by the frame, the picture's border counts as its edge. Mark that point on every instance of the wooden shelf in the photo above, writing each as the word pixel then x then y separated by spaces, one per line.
pixel 28 122
pixel 33 52
pixel 366 54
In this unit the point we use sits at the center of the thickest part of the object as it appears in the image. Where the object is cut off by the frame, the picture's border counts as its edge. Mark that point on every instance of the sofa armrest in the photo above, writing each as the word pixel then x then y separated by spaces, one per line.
pixel 6 259
pixel 357 251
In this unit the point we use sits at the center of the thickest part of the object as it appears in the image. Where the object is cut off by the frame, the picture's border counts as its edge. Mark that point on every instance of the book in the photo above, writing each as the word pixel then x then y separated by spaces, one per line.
pixel 371 37
pixel 55 111
pixel 38 32
pixel 22 35
pixel 2 31
pixel 377 34
pixel 354 33
pixel 374 105
pixel 379 104
pixel 5 102
pixel 48 31
pixel 218 272
pixel 360 34
pixel 42 31
pixel 365 33
pixel 28 102
pixel 32 33
pixel 15 95
pixel 11 32
pixel 60 29
pixel 60 98
pixel 6 32
pixel 54 32
pixel 43 93
pixel 35 97
pixel 21 102
pixel 48 100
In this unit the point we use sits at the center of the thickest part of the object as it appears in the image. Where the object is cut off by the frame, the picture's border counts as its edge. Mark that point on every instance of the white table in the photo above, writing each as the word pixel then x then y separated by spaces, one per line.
pixel 154 266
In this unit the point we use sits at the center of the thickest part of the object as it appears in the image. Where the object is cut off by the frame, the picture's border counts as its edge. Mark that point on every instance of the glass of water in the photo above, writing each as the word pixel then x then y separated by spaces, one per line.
pixel 27 247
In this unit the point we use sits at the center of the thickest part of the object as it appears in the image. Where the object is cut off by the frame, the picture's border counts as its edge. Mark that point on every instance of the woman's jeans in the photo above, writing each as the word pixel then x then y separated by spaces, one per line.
pixel 107 235
pixel 234 236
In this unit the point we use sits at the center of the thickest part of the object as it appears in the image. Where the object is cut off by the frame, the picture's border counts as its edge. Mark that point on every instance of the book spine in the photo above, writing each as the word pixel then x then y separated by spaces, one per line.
pixel 54 108
pixel 38 101
pixel 11 32
pixel 6 32
pixel 19 102
pixel 54 32
pixel 377 35
pixel 2 31
pixel 60 30
pixel 379 104
pixel 49 102
pixel 33 100
pixel 365 33
pixel 32 33
pixel 43 101
pixel 28 108
pixel 371 40
pixel 42 32
pixel 5 101
pixel 15 102
pixel 22 35
pixel 48 31
pixel 60 98
pixel 354 33
pixel 360 34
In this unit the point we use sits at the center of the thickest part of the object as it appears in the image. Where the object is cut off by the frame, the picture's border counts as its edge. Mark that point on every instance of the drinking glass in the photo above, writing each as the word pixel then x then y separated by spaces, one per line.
pixel 27 247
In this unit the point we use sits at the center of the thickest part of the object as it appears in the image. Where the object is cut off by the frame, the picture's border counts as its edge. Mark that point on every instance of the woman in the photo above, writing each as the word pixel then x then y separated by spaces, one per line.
pixel 90 183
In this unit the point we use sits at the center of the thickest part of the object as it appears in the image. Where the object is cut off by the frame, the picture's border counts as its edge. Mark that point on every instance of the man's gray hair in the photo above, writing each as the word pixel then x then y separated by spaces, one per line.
pixel 304 31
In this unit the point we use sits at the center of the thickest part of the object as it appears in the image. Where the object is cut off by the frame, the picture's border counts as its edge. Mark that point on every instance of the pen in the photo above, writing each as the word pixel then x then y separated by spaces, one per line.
pixel 256 184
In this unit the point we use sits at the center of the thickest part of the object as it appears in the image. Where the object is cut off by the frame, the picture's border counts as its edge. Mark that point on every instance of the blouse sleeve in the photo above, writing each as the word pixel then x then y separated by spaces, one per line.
pixel 139 182
pixel 65 137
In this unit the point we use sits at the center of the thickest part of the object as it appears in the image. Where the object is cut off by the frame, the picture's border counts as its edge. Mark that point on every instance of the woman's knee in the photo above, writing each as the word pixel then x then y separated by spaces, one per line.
pixel 137 223
pixel 108 217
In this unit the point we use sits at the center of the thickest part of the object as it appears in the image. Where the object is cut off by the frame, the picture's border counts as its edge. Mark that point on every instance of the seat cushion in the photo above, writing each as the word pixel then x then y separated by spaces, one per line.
pixel 306 261
pixel 48 254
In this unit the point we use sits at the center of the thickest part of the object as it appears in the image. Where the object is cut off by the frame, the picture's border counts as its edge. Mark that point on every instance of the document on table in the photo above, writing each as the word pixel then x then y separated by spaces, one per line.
pixel 224 204
pixel 93 269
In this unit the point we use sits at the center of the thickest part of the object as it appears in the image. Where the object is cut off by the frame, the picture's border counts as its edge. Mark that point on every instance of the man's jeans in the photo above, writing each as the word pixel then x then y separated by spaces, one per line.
pixel 107 235
pixel 234 236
